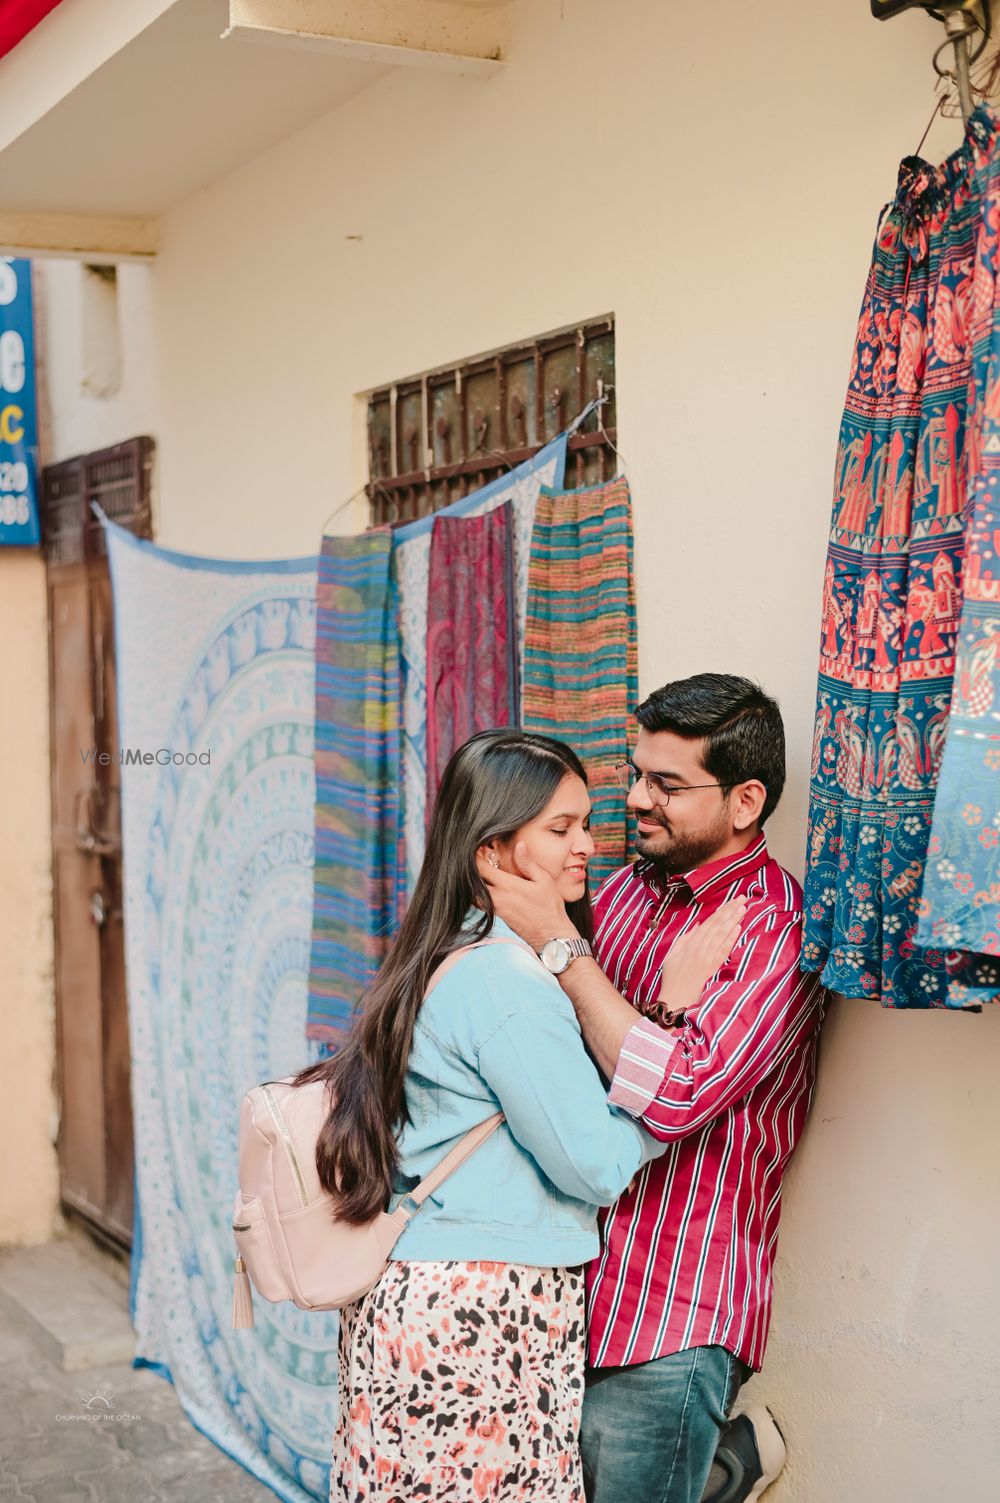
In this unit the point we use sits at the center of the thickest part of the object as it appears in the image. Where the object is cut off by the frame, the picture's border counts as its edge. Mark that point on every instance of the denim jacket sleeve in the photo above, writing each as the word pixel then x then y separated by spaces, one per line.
pixel 535 1063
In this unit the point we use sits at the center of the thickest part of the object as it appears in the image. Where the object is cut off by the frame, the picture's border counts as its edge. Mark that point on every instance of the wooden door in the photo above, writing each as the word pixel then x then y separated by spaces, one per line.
pixel 94 1081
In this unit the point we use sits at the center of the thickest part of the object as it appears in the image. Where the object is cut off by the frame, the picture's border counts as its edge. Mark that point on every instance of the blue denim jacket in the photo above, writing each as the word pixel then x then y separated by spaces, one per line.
pixel 497 1032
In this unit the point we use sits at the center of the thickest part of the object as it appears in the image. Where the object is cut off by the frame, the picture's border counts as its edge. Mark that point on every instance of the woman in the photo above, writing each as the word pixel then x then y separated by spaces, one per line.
pixel 461 1372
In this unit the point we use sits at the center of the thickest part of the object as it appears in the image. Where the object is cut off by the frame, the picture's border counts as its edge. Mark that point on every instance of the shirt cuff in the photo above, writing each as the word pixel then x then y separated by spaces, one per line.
pixel 642 1064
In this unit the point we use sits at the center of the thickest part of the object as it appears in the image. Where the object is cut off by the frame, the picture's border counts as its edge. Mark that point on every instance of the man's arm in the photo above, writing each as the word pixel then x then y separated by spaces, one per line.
pixel 531 905
pixel 603 1013
pixel 758 1009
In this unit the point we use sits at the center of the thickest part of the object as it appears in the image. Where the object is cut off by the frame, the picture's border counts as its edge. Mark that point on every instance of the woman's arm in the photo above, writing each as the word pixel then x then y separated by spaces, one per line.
pixel 535 1063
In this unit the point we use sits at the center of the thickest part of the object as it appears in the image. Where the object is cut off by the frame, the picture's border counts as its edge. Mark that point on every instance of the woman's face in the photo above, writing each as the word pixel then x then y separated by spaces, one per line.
pixel 558 840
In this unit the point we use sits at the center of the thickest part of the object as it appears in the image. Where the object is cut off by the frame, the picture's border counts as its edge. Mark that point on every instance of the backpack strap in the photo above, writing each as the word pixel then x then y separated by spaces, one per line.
pixel 411 1203
pixel 455 956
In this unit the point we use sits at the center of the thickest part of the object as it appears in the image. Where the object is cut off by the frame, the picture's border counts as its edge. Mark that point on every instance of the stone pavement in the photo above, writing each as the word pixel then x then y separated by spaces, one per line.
pixel 49 1453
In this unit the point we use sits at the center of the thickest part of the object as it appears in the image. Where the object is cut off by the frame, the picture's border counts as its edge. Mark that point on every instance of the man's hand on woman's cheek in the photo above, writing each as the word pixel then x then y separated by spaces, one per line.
pixel 530 903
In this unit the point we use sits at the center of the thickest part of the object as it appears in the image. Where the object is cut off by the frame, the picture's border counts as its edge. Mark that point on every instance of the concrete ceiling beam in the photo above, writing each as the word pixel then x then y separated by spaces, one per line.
pixel 78 236
pixel 458 36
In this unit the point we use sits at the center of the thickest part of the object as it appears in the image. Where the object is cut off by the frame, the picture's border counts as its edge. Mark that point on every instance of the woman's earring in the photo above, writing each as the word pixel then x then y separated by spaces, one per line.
pixel 493 861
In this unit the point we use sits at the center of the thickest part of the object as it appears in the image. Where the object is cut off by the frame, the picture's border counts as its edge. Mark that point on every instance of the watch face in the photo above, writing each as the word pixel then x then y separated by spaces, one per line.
pixel 555 956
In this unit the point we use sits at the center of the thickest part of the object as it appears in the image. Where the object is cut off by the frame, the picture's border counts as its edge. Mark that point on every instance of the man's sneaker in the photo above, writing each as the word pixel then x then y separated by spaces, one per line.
pixel 750 1455
pixel 770 1445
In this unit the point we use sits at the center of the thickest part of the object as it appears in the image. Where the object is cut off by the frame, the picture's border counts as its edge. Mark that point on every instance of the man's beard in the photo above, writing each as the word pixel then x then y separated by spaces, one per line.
pixel 684 852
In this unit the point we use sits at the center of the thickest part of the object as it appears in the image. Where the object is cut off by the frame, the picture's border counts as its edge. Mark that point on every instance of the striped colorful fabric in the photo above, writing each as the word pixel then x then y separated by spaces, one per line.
pixel 411 564
pixel 355 902
pixel 471 635
pixel 580 655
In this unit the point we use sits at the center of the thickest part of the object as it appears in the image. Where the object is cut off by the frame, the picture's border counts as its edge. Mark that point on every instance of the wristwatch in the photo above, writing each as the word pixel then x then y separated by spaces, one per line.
pixel 557 954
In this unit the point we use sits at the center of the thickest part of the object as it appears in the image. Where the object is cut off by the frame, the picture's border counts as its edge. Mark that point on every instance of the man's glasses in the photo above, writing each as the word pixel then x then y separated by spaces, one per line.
pixel 659 790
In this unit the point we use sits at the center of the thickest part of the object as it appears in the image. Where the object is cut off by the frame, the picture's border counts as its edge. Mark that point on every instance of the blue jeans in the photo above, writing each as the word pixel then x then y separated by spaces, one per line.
pixel 650 1432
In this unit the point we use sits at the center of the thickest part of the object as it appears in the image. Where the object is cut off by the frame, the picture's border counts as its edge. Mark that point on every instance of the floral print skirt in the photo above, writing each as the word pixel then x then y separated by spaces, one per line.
pixel 462 1383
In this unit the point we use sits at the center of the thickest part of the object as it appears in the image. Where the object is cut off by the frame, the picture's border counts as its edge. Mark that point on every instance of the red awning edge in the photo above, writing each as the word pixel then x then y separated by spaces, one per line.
pixel 18 17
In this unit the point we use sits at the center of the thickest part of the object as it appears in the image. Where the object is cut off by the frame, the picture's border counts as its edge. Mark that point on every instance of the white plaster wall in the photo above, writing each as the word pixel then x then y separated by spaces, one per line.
pixel 881 1365
pixel 29 1170
pixel 716 186
pixel 713 175
pixel 77 421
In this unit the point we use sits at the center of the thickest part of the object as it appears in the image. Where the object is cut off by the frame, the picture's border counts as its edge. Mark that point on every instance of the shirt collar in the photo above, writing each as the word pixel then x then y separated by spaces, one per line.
pixel 722 872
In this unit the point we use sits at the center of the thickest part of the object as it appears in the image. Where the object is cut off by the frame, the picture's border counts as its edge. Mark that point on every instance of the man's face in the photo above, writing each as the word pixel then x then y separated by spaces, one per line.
pixel 696 823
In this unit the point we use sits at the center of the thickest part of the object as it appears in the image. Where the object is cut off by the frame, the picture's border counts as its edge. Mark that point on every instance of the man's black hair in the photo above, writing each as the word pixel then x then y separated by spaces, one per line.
pixel 741 727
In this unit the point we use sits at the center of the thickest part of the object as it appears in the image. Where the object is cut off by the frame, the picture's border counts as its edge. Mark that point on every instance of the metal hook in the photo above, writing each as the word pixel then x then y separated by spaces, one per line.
pixel 960 78
pixel 342 507
pixel 959 25
pixel 601 402
pixel 373 485
pixel 960 18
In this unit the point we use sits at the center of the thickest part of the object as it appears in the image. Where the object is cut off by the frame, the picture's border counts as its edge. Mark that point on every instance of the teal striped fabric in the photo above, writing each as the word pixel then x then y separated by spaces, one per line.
pixel 355 897
pixel 580 652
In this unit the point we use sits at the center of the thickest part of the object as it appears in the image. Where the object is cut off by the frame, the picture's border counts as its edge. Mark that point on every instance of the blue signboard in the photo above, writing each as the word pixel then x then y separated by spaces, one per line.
pixel 18 411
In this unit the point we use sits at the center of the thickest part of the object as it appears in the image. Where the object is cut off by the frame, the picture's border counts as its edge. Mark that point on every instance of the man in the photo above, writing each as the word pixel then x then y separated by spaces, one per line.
pixel 720 1064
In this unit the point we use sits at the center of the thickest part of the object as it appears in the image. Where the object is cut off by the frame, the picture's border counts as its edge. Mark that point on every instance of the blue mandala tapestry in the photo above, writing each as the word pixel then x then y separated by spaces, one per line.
pixel 216 680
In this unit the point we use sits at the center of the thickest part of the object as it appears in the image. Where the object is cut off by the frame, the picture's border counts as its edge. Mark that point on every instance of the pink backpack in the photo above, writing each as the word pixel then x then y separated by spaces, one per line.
pixel 289 1241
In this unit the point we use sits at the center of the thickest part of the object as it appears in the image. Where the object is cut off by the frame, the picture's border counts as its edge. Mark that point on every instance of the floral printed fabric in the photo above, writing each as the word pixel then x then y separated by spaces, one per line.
pixel 959 907
pixel 462 1383
pixel 922 394
pixel 960 904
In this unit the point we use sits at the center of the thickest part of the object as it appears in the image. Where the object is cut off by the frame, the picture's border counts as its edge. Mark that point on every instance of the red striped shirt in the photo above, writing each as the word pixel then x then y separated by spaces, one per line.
pixel 688 1250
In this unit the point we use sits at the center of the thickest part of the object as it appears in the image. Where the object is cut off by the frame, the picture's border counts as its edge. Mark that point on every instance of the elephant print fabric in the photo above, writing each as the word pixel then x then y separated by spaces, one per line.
pixel 901 568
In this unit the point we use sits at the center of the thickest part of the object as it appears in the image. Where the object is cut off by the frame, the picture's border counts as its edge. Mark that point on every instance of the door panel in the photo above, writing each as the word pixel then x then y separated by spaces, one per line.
pixel 95 1129
pixel 106 824
pixel 77 951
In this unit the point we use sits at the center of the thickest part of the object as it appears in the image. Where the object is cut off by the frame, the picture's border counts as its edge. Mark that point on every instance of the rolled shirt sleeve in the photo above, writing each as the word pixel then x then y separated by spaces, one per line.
pixel 643 1063
pixel 759 1007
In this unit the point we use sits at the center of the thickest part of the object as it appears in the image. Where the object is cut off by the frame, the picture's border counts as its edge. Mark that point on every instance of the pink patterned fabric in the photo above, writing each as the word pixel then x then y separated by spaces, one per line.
pixel 471 635
pixel 461 1383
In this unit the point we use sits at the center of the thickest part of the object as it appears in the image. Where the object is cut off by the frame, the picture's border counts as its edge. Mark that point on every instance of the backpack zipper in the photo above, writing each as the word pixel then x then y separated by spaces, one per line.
pixel 287 1143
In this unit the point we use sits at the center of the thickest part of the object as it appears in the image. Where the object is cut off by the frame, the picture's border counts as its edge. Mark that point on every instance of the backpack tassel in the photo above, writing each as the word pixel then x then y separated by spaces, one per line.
pixel 242 1298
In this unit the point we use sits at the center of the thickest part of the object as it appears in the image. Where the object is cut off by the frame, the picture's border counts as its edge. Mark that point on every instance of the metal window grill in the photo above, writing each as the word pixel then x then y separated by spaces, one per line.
pixel 434 438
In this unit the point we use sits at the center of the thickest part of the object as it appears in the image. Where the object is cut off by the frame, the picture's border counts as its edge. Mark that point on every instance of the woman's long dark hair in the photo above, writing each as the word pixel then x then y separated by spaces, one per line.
pixel 494 784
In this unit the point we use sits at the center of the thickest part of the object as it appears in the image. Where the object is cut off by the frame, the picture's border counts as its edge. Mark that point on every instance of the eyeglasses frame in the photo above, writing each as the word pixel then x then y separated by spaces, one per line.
pixel 655 794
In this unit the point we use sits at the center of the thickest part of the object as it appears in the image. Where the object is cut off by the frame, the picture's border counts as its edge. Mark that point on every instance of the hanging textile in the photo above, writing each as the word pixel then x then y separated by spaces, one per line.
pixel 892 588
pixel 959 907
pixel 215 679
pixel 471 634
pixel 357 777
pixel 580 658
pixel 411 564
